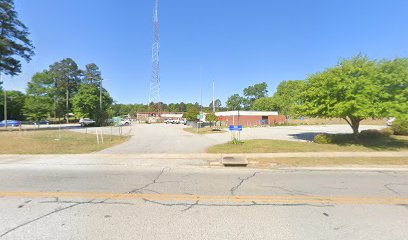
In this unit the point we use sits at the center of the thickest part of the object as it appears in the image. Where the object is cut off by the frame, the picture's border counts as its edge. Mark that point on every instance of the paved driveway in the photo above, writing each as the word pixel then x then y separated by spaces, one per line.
pixel 162 138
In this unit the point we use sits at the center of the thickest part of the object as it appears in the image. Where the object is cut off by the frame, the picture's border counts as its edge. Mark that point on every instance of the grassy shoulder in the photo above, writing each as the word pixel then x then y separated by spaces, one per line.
pixel 53 142
pixel 203 130
pixel 394 143
pixel 332 161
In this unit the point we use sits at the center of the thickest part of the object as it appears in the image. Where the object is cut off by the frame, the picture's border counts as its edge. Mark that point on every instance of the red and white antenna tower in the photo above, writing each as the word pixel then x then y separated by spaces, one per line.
pixel 154 94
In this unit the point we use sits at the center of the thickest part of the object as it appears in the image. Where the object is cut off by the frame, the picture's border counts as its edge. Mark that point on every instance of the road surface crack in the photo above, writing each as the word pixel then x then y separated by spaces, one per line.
pixel 389 188
pixel 43 216
pixel 242 180
pixel 155 180
pixel 252 204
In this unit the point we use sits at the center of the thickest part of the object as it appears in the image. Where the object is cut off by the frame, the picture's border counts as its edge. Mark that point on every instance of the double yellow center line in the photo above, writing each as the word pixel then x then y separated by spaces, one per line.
pixel 218 199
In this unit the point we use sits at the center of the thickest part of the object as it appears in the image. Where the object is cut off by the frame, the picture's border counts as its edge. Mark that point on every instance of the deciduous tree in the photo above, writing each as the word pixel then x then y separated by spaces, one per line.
pixel 252 93
pixel 235 102
pixel 265 104
pixel 349 91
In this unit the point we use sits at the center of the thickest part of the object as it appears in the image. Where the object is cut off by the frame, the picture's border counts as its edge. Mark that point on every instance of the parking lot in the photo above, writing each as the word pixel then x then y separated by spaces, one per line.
pixel 171 138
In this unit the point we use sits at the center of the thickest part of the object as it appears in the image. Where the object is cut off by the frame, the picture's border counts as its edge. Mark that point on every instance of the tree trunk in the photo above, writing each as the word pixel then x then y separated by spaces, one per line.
pixel 354 124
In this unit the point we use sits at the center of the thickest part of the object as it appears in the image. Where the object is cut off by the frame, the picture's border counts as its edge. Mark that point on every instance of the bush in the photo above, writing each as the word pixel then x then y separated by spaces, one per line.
pixel 400 126
pixel 387 132
pixel 373 133
pixel 334 138
pixel 323 139
pixel 235 141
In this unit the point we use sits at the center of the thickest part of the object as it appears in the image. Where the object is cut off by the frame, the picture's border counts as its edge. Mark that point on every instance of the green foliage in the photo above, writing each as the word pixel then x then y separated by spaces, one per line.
pixel 191 114
pixel 87 103
pixel 349 90
pixel 14 41
pixel 37 107
pixel 235 141
pixel 286 97
pixel 393 77
pixel 66 79
pixel 252 93
pixel 92 74
pixel 217 104
pixel 265 104
pixel 15 104
pixel 400 126
pixel 323 139
pixel 211 117
pixel 235 102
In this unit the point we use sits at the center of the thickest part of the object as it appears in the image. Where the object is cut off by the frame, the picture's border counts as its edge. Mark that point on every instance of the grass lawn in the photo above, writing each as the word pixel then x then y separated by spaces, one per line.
pixel 326 121
pixel 394 143
pixel 46 142
pixel 312 162
pixel 203 130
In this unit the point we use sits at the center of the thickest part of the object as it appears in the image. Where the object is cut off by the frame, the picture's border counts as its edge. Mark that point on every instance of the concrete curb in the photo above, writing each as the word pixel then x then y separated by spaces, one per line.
pixel 208 155
pixel 374 168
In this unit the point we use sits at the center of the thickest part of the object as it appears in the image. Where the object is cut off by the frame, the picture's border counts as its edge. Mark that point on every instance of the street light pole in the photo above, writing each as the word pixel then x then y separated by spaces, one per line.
pixel 5 104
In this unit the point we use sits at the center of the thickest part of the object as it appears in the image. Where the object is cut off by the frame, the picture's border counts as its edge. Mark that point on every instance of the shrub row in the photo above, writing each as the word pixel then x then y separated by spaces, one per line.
pixel 343 138
pixel 400 126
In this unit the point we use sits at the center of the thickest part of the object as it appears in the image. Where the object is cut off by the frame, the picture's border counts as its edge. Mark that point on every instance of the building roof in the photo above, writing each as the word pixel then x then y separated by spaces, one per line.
pixel 245 113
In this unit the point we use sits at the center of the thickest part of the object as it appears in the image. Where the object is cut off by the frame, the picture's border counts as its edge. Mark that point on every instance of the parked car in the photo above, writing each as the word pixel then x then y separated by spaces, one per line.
pixel 86 122
pixel 175 121
pixel 183 121
pixel 390 121
pixel 10 123
pixel 125 122
pixel 42 122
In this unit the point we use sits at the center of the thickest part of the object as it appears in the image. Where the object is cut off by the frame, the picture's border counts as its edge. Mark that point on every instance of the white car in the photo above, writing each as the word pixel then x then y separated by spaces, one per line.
pixel 86 122
pixel 183 121
pixel 125 122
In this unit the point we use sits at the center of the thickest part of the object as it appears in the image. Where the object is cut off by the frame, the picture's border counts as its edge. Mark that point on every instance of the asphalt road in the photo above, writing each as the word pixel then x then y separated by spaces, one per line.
pixel 169 138
pixel 111 200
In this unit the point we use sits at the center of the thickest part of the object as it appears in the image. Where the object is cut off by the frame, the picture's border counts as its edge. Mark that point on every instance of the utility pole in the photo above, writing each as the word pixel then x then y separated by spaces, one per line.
pixel 5 108
pixel 100 96
pixel 5 104
pixel 213 96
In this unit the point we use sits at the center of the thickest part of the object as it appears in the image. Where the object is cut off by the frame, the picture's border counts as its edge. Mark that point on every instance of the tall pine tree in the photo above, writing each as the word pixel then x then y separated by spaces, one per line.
pixel 14 42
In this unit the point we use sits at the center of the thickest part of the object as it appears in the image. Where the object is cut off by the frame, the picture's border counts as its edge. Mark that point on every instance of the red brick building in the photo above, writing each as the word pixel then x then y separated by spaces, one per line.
pixel 250 118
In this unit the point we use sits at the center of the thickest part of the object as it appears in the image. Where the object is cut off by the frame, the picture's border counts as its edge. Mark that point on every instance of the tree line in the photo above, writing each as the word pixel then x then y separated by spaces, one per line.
pixel 61 90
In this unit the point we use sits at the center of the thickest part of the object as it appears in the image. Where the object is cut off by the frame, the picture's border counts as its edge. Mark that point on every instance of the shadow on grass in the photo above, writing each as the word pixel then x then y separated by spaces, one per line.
pixel 47 128
pixel 377 143
pixel 308 136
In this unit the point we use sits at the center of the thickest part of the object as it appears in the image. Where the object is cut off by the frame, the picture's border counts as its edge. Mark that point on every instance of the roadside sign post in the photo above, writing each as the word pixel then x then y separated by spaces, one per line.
pixel 234 129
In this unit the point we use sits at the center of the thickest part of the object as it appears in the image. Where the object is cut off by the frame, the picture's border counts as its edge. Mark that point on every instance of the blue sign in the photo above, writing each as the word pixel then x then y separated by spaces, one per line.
pixel 235 128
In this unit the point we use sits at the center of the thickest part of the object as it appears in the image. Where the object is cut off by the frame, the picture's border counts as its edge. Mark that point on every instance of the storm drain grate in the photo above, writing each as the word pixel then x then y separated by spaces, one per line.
pixel 234 161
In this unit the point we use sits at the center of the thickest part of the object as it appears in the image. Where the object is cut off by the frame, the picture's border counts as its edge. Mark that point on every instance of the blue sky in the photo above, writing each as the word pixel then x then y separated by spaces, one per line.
pixel 234 42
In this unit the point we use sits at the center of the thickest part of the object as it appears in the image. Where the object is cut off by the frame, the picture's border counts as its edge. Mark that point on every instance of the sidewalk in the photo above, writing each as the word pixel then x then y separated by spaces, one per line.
pixel 190 160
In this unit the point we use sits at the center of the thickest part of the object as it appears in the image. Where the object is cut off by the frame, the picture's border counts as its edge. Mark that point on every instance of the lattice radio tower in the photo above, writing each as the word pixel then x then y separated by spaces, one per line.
pixel 154 94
